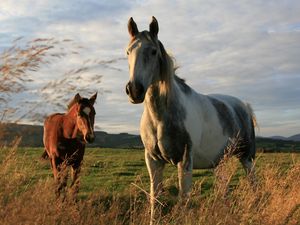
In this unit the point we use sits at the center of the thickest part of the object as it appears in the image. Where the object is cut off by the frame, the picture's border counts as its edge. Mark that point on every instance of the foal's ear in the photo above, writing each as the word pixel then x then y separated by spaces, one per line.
pixel 77 97
pixel 93 98
pixel 132 27
pixel 153 27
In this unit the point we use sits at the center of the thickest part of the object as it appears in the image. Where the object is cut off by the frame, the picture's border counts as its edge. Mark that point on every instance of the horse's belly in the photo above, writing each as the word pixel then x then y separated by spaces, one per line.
pixel 207 137
pixel 209 153
pixel 204 162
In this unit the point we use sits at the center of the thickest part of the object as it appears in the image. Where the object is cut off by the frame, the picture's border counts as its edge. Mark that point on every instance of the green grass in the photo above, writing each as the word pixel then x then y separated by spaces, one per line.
pixel 114 170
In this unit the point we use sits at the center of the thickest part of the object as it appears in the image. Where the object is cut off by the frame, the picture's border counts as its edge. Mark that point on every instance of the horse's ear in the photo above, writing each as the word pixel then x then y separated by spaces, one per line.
pixel 132 27
pixel 153 27
pixel 93 98
pixel 77 97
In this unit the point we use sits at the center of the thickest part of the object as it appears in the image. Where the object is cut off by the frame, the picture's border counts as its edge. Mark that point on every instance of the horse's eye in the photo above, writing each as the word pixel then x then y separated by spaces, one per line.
pixel 153 52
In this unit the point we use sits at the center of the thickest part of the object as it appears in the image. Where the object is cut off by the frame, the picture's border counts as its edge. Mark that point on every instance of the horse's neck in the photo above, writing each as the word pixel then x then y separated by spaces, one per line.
pixel 70 125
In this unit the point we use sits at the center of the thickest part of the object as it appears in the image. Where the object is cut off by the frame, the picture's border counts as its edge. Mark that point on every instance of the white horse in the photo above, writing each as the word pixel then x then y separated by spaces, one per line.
pixel 179 125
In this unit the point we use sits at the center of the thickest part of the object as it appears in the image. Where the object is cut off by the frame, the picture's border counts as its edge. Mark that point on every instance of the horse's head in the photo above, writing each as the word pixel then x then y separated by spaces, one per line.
pixel 86 116
pixel 145 58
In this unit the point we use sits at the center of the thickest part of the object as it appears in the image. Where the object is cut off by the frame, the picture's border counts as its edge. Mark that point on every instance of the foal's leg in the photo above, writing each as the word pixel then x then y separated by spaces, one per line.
pixel 185 168
pixel 54 165
pixel 60 175
pixel 75 173
pixel 155 170
pixel 75 181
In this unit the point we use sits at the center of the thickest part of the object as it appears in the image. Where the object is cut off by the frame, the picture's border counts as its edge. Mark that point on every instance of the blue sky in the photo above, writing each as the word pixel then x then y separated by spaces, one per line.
pixel 249 49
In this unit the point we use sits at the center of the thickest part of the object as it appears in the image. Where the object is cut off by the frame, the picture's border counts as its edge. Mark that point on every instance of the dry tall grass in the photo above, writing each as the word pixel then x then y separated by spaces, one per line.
pixel 21 72
pixel 28 199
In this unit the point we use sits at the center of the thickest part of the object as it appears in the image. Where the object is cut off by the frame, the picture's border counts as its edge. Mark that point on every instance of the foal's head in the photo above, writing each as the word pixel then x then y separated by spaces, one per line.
pixel 85 116
pixel 147 60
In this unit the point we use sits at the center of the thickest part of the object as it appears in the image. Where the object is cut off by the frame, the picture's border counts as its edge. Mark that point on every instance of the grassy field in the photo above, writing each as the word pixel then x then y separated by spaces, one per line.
pixel 114 181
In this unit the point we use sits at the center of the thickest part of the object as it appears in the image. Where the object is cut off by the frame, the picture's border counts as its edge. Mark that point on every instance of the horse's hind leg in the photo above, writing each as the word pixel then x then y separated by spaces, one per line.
pixel 248 155
pixel 54 165
pixel 249 169
pixel 247 164
pixel 45 155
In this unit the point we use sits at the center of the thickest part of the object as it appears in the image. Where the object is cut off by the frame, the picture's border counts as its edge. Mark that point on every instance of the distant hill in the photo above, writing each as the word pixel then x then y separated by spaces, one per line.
pixel 122 140
pixel 272 144
pixel 278 137
pixel 32 136
pixel 295 137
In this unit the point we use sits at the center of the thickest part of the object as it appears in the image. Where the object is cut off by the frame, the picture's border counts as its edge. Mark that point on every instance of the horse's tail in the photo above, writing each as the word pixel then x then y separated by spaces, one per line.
pixel 253 123
pixel 45 155
pixel 252 115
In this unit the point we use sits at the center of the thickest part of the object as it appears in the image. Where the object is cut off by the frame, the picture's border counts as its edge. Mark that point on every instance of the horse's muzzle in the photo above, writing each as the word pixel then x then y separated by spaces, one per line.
pixel 136 92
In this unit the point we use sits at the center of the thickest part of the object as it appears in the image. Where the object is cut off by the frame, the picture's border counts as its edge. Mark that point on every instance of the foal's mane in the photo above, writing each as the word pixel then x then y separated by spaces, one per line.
pixel 71 103
pixel 84 101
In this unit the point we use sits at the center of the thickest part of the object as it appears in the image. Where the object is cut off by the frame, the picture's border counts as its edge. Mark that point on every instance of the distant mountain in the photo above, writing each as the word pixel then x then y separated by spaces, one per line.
pixel 32 136
pixel 295 137
pixel 278 138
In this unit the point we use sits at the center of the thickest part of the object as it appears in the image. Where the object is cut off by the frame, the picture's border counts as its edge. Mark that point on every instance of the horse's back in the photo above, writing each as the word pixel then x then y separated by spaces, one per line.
pixel 52 122
pixel 52 131
pixel 234 114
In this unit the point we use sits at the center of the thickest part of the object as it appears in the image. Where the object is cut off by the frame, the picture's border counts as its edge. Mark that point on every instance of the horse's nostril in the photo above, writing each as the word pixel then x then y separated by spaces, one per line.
pixel 139 88
pixel 136 91
pixel 127 89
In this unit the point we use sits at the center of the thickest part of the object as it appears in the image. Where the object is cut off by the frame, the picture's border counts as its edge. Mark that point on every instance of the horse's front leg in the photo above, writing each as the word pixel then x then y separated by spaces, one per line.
pixel 75 181
pixel 59 173
pixel 185 168
pixel 155 170
pixel 75 174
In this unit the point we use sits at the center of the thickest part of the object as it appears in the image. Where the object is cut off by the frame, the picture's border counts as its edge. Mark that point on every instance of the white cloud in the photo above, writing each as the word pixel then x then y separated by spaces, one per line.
pixel 249 49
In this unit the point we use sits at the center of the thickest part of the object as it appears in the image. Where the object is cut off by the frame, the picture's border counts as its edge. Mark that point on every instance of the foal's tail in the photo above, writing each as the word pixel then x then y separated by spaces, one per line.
pixel 45 155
